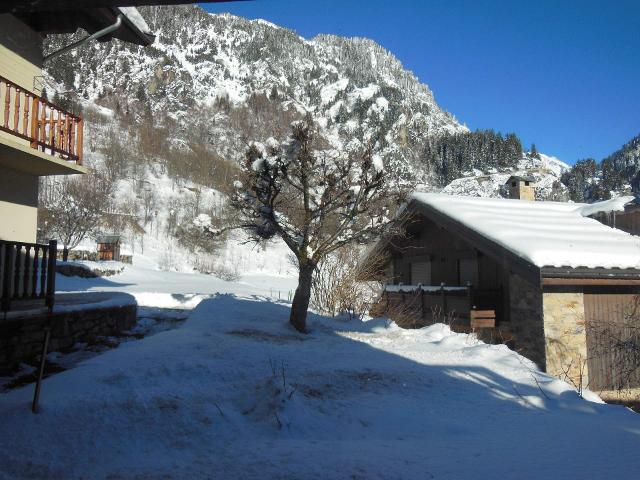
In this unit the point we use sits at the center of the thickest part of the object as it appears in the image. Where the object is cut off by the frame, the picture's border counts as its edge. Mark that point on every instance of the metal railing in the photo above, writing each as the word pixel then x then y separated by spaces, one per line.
pixel 46 126
pixel 28 274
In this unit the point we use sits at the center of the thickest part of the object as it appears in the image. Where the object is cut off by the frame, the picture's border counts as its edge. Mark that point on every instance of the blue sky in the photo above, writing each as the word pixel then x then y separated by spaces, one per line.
pixel 562 74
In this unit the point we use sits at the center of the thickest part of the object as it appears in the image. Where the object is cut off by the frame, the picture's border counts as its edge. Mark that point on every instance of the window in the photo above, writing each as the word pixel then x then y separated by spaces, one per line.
pixel 421 273
pixel 468 271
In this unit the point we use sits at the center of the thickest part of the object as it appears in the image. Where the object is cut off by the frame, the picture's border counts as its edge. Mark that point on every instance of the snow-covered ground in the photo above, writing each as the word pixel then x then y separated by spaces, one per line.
pixel 236 393
pixel 153 287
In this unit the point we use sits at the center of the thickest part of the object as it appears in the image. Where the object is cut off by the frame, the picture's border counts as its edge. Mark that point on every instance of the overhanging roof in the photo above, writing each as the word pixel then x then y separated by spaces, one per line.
pixel 33 6
pixel 90 19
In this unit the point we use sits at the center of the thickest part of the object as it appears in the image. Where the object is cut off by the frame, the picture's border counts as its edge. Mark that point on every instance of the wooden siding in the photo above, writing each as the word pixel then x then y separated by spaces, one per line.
pixel 629 221
pixel 613 336
pixel 21 72
pixel 419 307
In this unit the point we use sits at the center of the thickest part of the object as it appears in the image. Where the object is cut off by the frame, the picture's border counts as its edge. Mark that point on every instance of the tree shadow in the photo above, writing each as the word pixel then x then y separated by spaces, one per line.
pixel 79 284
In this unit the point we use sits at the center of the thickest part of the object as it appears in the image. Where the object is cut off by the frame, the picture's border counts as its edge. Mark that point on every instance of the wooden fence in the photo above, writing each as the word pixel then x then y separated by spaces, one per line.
pixel 45 126
pixel 28 273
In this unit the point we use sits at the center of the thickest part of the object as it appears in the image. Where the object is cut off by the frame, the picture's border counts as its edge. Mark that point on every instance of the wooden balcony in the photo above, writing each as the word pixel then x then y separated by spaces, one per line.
pixel 47 128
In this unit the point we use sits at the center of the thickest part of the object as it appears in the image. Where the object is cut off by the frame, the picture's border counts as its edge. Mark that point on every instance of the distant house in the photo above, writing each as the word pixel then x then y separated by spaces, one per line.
pixel 543 275
pixel 521 187
pixel 108 247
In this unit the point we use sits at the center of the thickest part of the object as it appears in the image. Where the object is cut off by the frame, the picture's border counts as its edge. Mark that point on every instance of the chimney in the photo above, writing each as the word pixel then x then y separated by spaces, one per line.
pixel 521 188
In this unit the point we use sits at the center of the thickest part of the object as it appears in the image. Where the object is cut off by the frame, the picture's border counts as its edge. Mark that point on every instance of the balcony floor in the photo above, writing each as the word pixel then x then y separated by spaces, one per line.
pixel 21 157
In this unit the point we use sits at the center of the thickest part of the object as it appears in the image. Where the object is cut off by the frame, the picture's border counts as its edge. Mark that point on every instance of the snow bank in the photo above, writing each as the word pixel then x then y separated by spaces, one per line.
pixel 544 233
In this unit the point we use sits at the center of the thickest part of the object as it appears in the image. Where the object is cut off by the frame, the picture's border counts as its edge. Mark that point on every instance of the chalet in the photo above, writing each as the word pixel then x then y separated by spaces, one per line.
pixel 38 138
pixel 108 247
pixel 542 276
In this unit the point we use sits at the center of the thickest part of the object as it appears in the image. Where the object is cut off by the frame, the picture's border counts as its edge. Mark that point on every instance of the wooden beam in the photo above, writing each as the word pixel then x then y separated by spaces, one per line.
pixel 590 281
pixel 31 6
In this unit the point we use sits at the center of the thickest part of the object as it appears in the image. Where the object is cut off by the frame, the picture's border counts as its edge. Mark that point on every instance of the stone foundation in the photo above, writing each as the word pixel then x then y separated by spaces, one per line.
pixel 526 325
pixel 21 337
pixel 565 336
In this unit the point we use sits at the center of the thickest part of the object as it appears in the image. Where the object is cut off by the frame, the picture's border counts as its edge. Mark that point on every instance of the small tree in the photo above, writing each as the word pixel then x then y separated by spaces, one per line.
pixel 72 208
pixel 317 201
pixel 534 151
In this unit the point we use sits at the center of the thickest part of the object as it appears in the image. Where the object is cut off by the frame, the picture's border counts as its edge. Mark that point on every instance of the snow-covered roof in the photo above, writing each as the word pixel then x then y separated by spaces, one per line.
pixel 134 17
pixel 546 234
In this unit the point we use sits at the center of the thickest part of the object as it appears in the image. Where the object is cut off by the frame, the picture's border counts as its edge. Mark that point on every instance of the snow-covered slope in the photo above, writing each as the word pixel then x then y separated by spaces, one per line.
pixel 236 393
pixel 545 170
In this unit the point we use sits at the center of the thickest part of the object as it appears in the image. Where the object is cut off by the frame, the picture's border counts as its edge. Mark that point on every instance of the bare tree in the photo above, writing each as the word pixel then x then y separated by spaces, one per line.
pixel 72 208
pixel 345 284
pixel 316 200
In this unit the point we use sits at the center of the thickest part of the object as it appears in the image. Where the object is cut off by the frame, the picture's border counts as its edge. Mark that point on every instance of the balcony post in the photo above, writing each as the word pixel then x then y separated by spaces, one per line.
pixel 79 140
pixel 25 116
pixel 6 276
pixel 16 111
pixel 51 274
pixel 7 105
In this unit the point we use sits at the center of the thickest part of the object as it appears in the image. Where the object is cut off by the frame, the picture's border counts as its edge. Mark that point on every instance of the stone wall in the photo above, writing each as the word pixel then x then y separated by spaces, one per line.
pixel 565 335
pixel 92 256
pixel 21 338
pixel 526 327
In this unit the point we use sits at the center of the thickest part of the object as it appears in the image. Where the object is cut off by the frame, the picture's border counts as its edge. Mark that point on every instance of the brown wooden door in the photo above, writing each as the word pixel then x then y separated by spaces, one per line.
pixel 613 340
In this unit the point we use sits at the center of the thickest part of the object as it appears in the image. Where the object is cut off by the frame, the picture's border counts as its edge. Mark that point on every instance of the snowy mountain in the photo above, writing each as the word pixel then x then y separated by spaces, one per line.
pixel 219 66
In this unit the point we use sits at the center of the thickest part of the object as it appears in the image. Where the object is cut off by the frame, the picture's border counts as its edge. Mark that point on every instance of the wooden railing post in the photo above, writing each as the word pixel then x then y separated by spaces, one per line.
pixel 6 276
pixel 43 125
pixel 43 272
pixel 51 274
pixel 26 271
pixel 16 270
pixel 79 138
pixel 34 272
pixel 7 105
pixel 16 111
pixel 25 114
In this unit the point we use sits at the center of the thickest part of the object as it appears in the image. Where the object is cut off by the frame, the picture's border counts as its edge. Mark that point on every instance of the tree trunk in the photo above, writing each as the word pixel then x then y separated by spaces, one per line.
pixel 300 304
pixel 65 254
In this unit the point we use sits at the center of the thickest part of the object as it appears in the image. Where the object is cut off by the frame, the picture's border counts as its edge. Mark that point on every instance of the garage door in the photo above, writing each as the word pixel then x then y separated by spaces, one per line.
pixel 613 340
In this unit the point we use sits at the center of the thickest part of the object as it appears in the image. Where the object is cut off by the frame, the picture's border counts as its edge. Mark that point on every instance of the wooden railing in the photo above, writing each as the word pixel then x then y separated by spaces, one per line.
pixel 28 274
pixel 47 127
pixel 423 305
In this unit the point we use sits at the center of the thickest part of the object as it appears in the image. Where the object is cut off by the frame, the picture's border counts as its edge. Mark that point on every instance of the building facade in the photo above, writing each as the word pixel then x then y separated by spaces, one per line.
pixel 560 286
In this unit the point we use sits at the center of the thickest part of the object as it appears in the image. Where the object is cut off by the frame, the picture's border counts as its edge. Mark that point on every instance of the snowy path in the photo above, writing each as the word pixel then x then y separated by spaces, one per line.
pixel 235 393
